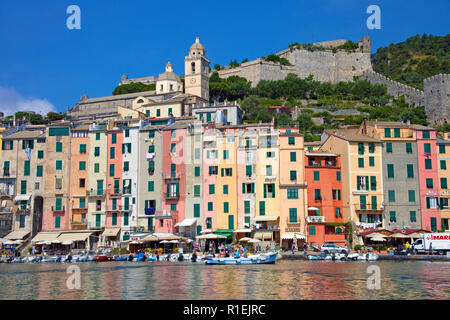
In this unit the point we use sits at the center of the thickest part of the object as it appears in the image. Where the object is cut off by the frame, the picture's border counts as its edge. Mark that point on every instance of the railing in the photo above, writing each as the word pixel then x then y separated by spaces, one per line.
pixel 294 223
pixel 24 209
pixel 166 215
pixel 270 228
pixel 96 193
pixel 172 195
pixel 315 219
pixel 171 175
pixel 115 192
pixel 6 210
pixel 61 209
pixel 120 208
pixel 328 164
pixel 366 207
pixel 4 193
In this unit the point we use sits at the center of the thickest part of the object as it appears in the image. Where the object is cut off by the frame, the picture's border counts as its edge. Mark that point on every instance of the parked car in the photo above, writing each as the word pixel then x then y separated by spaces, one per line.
pixel 333 248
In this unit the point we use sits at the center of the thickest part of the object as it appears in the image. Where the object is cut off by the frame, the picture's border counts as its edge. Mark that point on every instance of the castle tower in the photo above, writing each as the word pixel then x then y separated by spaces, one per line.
pixel 196 68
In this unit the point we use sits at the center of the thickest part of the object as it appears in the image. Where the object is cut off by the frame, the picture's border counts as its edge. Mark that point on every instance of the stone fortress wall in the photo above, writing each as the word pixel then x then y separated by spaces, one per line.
pixel 437 98
pixel 412 95
pixel 342 65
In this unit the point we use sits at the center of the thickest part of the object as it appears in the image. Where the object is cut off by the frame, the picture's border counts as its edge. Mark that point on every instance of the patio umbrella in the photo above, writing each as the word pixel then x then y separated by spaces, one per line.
pixel 165 241
pixel 211 236
pixel 378 239
pixel 150 238
pixel 17 242
pixel 313 208
pixel 67 242
pixel 173 241
pixel 46 242
pixel 245 239
pixel 134 242
pixel 254 241
pixel 206 231
pixel 56 241
pixel 376 235
pixel 398 235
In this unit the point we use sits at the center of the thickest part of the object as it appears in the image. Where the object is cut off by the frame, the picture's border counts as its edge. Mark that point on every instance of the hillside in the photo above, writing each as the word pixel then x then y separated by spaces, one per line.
pixel 413 60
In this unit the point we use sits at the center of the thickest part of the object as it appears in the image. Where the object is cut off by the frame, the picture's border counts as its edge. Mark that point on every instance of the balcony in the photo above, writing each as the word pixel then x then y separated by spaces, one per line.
pixel 6 210
pixel 315 219
pixel 119 208
pixel 115 192
pixel 367 208
pixel 96 193
pixel 172 195
pixel 79 225
pixel 58 210
pixel 270 228
pixel 322 164
pixel 24 208
pixel 166 214
pixel 5 193
pixel 171 175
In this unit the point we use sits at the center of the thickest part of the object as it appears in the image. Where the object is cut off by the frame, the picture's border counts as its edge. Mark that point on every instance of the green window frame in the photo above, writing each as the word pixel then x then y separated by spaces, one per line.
pixel 387 132
pixel 225 189
pixel 97 136
pixel 371 161
pixel 26 168
pixel 316 175
pixel 427 147
pixel 226 154
pixel 126 166
pixel 373 183
pixel 389 147
pixel 231 222
pixel 112 170
pixel 362 202
pixel 114 138
pixel 312 230
pixel 408 147
pixel 197 171
pixel 197 191
pixel 96 167
pixel 98 219
pixel 442 148
pixel 40 154
pixel 39 171
pixel 114 219
pixel 317 195
pixel 59 147
pixel 338 176
pixel 196 210
pixel 391 195
pixel 412 196
pixel 360 162
pixel 210 206
pixel 151 186
pixel 262 208
pixel 82 165
pixel 433 224
pixel 57 222
pixel 97 151
pixel 226 207
pixel 426 134
pixel 292 193
pixel 82 203
pixel 112 152
pixel 127 133
pixel 23 187
pixel 428 165
pixel 293 156
pixel 291 140
pixel 173 206
pixel 443 183
pixel 58 165
pixel 248 170
pixel 371 147
pixel 293 175
pixel 392 216
pixel 410 170
pixel 443 165
pixel 173 133
pixel 396 132
pixel 412 216
pixel 268 170
pixel 82 148
pixel 374 202
pixel 212 189
pixel 247 206
pixel 293 218
pixel 125 219
pixel 390 170
pixel 58 204
pixel 429 182
pixel 361 148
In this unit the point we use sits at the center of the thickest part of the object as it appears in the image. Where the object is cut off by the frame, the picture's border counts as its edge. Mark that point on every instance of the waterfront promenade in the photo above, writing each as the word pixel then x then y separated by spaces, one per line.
pixel 419 257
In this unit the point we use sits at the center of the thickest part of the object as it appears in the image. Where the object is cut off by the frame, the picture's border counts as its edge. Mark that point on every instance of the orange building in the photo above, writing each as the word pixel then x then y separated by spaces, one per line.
pixel 323 177
pixel 79 148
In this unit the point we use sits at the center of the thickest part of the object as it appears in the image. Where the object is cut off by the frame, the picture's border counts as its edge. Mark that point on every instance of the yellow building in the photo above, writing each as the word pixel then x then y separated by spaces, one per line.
pixel 226 184
pixel 443 159
pixel 267 186
pixel 292 187
pixel 362 179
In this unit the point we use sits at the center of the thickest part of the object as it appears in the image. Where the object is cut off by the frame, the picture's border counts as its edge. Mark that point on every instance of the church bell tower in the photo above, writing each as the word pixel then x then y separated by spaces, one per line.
pixel 196 68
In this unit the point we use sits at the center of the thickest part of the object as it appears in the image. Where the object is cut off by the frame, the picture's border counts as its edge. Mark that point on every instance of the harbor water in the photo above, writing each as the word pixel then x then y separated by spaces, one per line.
pixel 287 279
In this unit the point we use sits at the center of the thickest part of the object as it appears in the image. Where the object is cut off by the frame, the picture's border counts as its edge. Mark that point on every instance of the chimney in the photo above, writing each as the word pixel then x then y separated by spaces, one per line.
pixel 364 130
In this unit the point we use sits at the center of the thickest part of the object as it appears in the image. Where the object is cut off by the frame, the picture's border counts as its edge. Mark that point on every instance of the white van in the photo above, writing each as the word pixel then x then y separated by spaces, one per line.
pixel 440 243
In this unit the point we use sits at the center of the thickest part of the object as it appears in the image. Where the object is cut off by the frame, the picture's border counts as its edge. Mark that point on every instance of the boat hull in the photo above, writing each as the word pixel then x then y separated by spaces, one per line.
pixel 262 259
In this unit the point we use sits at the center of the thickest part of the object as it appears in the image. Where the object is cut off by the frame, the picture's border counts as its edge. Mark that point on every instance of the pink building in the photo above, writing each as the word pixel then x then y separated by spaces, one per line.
pixel 428 178
pixel 174 175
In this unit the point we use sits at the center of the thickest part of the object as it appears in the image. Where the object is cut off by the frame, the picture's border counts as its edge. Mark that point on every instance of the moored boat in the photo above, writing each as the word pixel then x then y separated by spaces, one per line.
pixel 268 258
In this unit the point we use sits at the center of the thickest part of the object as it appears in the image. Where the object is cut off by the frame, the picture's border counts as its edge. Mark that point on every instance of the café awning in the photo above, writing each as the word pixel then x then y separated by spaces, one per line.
pixel 211 236
pixel 288 236
pixel 73 236
pixel 186 223
pixel 22 197
pixel 263 235
pixel 45 236
pixel 266 218
pixel 16 235
pixel 111 232
pixel 149 238
pixel 242 231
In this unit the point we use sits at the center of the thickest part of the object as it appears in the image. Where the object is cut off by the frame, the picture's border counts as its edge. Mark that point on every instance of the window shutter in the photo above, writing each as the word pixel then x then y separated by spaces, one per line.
pixel 222 171
pixel 367 182
pixel 273 190
pixel 243 188
pixel 265 190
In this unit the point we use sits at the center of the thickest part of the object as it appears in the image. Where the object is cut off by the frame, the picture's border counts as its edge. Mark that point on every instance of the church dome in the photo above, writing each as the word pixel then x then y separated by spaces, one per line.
pixel 197 47
pixel 169 74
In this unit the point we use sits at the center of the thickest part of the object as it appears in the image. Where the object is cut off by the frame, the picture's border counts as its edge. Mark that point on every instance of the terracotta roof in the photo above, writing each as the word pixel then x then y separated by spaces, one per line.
pixel 25 135
pixel 351 135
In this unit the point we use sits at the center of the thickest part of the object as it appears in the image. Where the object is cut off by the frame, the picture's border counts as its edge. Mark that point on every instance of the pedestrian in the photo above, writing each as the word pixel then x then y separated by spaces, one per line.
pixel 431 249
pixel 293 249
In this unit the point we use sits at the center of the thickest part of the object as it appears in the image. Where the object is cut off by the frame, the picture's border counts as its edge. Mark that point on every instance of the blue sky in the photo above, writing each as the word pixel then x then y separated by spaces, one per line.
pixel 44 66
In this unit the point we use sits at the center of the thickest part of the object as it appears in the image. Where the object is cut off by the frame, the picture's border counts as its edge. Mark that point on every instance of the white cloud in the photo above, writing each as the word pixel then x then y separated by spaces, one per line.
pixel 11 101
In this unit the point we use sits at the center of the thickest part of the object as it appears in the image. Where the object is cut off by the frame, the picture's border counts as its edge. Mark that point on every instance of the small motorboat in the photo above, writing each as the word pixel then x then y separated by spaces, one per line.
pixel 268 258
pixel 120 258
pixel 101 258
pixel 51 259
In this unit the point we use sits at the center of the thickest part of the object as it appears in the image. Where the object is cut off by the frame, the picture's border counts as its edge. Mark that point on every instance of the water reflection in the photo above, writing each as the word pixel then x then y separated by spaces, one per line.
pixel 286 280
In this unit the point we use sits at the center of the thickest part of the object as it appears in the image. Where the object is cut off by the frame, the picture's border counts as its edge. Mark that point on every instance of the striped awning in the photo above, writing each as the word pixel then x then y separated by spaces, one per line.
pixel 111 232
pixel 22 197
pixel 288 236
